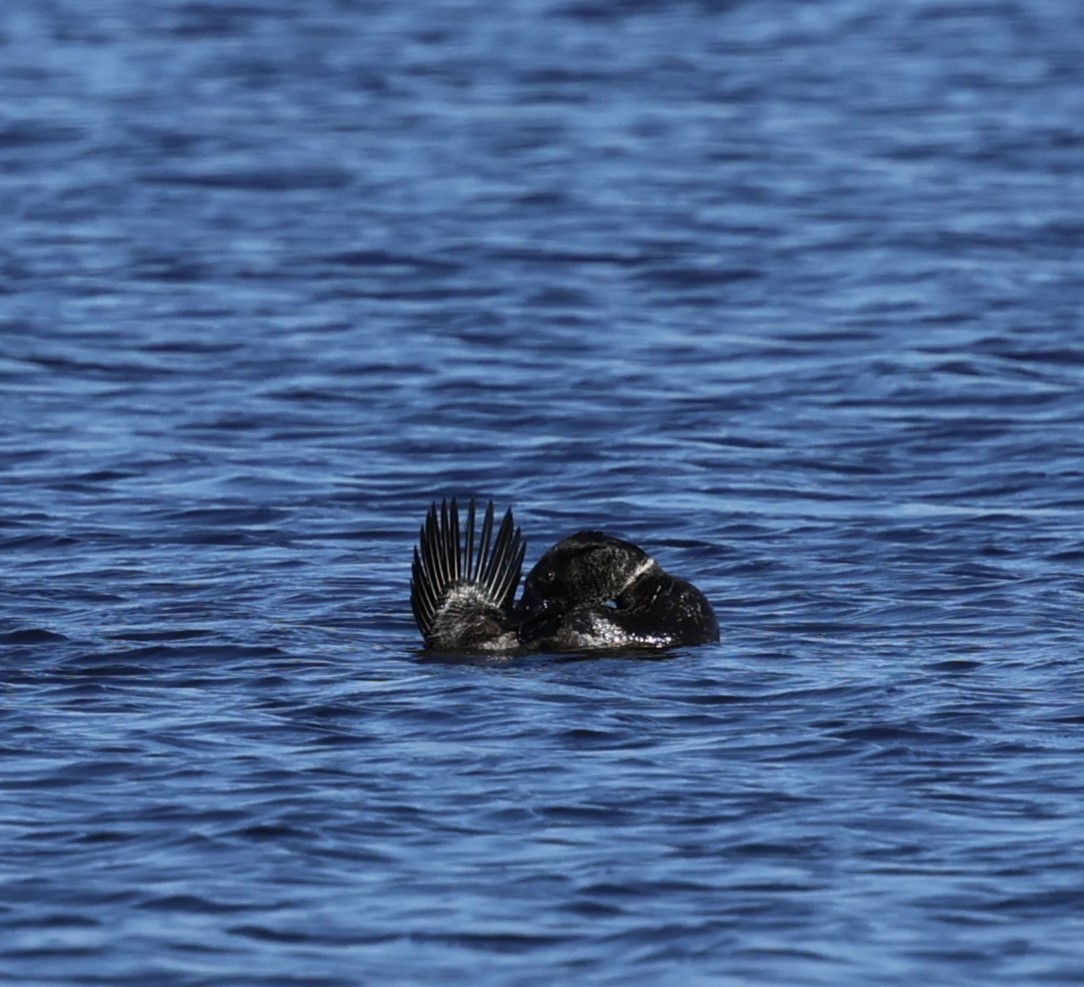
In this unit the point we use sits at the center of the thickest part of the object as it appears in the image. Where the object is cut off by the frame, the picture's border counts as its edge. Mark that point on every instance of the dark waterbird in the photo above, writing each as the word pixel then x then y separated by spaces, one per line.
pixel 589 591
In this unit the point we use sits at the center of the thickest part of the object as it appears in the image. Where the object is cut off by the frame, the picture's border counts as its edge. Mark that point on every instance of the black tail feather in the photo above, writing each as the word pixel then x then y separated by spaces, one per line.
pixel 469 544
pixel 505 563
pixel 487 530
pixel 444 559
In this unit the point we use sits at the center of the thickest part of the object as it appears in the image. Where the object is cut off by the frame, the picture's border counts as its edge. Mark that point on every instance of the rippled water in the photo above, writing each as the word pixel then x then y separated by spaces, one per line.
pixel 787 293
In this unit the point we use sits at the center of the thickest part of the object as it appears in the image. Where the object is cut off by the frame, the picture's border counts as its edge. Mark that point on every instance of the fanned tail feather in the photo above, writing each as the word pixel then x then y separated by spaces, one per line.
pixel 445 561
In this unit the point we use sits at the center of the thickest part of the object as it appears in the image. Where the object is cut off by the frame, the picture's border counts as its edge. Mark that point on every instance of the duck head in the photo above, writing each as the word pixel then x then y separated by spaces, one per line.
pixel 588 569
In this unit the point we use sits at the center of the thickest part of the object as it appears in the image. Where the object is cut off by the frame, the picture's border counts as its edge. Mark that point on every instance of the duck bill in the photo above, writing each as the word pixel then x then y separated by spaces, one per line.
pixel 534 616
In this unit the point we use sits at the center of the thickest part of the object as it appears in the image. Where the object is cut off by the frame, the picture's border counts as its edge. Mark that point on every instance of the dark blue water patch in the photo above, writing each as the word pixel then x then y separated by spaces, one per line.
pixel 282 179
pixel 30 133
pixel 31 636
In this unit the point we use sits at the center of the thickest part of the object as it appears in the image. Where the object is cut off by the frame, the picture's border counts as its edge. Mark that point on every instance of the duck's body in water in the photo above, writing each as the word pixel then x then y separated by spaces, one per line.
pixel 590 591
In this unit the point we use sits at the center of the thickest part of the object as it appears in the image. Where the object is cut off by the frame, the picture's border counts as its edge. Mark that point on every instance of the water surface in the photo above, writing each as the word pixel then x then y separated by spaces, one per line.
pixel 789 294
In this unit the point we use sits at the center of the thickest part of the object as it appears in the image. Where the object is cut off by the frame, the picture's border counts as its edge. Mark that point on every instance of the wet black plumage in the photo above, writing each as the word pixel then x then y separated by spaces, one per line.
pixel 590 591
pixel 463 598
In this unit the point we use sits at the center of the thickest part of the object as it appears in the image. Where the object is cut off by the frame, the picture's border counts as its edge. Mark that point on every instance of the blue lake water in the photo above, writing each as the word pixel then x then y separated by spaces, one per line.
pixel 788 293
